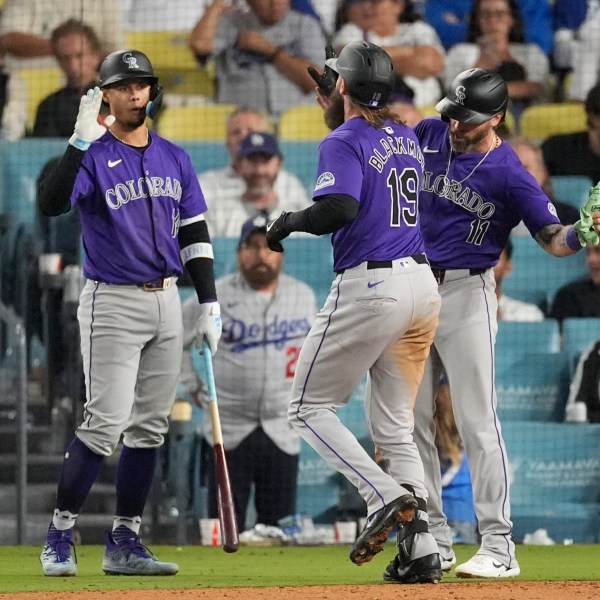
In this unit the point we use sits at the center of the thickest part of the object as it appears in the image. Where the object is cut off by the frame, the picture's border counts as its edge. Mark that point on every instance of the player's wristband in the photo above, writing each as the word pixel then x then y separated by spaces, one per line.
pixel 79 144
pixel 572 239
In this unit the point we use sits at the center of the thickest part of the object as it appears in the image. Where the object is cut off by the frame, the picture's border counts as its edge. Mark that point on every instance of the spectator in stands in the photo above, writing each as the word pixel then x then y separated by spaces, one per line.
pixel 450 18
pixel 577 153
pixel 495 42
pixel 457 491
pixel 353 11
pixel 585 53
pixel 567 17
pixel 226 181
pixel 156 15
pixel 266 316
pixel 510 309
pixel 583 403
pixel 531 156
pixel 261 55
pixel 580 298
pixel 25 29
pixel 401 101
pixel 258 163
pixel 78 52
pixel 413 45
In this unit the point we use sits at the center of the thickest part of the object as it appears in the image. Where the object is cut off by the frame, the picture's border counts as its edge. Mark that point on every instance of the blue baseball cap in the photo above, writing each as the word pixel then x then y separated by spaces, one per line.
pixel 257 224
pixel 259 143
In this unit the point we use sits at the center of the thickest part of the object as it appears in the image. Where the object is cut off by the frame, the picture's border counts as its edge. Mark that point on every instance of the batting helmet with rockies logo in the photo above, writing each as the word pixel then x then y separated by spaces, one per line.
pixel 131 64
pixel 475 96
pixel 368 72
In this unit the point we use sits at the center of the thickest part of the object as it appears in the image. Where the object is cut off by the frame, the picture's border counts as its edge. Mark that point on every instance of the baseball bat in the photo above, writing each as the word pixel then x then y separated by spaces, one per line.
pixel 230 540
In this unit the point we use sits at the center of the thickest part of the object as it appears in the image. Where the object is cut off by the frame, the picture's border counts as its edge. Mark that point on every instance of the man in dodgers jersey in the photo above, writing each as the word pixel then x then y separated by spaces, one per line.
pixel 266 315
pixel 381 312
pixel 474 191
pixel 141 215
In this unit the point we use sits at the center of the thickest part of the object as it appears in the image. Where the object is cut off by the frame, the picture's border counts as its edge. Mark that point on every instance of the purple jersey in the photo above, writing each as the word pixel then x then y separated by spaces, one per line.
pixel 131 205
pixel 468 209
pixel 382 169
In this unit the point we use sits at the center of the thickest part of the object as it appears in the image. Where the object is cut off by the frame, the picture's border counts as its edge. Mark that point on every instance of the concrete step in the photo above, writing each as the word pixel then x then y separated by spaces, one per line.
pixel 91 528
pixel 41 498
pixel 45 468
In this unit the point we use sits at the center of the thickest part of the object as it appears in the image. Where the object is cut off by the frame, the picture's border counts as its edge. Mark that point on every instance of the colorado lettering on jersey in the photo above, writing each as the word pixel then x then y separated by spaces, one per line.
pixel 144 187
pixel 454 191
pixel 245 336
pixel 394 145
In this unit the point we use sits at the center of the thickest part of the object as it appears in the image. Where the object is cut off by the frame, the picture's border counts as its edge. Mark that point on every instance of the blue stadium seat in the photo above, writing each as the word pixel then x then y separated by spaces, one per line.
pixel 533 388
pixel 301 159
pixel 578 334
pixel 572 189
pixel 516 339
pixel 553 466
pixel 537 275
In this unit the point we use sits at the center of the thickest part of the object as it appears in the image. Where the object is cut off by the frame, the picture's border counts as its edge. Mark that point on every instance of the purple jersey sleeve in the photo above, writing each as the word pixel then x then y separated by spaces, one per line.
pixel 471 202
pixel 381 168
pixel 131 204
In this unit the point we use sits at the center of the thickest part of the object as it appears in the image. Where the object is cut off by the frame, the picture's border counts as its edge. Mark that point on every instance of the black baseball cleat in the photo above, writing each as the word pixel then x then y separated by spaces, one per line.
pixel 378 528
pixel 427 569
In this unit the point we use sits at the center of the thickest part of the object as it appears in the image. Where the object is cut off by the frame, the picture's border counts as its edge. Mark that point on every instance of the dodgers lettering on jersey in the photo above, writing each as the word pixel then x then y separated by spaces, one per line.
pixel 244 335
pixel 133 204
pixel 468 211
pixel 382 169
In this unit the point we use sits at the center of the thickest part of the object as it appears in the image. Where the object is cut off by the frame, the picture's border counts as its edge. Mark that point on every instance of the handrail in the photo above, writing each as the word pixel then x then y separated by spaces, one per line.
pixel 8 316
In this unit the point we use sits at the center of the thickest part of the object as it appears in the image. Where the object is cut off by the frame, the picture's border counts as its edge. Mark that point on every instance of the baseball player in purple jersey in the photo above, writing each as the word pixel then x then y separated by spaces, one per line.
pixel 381 312
pixel 142 216
pixel 474 191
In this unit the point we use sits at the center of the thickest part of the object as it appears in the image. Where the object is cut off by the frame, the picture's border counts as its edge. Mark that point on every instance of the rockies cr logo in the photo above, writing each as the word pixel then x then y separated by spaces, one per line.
pixel 460 94
pixel 130 60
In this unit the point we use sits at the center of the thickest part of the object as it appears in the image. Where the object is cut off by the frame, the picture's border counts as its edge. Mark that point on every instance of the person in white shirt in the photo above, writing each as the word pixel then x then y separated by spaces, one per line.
pixel 413 45
pixel 226 181
pixel 510 309
pixel 258 164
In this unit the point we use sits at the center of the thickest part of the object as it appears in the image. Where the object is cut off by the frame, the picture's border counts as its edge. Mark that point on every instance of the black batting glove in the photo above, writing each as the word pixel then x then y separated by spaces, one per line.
pixel 277 231
pixel 328 79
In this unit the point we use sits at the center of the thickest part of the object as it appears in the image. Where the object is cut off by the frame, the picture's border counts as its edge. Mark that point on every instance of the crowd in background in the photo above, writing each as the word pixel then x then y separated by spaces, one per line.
pixel 258 50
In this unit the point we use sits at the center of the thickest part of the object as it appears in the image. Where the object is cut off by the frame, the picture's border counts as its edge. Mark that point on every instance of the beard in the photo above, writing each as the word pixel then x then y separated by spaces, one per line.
pixel 334 113
pixel 260 275
pixel 464 144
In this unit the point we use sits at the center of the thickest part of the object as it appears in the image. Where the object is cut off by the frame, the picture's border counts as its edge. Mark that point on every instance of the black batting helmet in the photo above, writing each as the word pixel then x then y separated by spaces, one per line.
pixel 475 96
pixel 125 64
pixel 368 72
pixel 132 64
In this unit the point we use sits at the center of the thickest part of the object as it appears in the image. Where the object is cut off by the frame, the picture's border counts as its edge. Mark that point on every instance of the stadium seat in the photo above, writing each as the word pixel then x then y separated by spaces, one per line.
pixel 572 189
pixel 174 62
pixel 516 339
pixel 578 333
pixel 532 386
pixel 537 275
pixel 553 469
pixel 301 159
pixel 540 121
pixel 203 122
pixel 39 84
pixel 302 123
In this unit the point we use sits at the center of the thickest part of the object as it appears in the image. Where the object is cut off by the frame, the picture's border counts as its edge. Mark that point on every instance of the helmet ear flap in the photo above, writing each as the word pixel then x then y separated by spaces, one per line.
pixel 156 100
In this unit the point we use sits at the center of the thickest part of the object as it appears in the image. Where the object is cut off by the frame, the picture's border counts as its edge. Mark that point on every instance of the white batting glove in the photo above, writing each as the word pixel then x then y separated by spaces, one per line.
pixel 87 127
pixel 209 326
